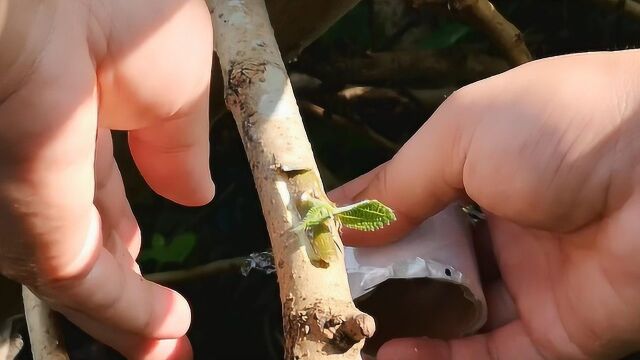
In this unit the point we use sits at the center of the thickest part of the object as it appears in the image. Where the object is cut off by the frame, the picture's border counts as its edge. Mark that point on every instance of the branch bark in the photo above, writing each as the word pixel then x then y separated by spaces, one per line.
pixel 11 342
pixel 43 333
pixel 319 316
pixel 484 16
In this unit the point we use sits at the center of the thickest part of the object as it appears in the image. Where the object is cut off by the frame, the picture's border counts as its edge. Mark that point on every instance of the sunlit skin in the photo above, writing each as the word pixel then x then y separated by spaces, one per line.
pixel 70 71
pixel 550 151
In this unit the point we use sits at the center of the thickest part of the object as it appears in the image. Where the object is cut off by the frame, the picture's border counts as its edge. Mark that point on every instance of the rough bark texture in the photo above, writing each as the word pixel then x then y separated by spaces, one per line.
pixel 296 24
pixel 320 319
pixel 43 334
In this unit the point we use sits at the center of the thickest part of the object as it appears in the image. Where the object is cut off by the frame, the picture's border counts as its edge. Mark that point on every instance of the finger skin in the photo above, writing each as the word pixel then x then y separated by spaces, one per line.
pixel 111 200
pixel 508 342
pixel 555 165
pixel 500 306
pixel 519 153
pixel 51 233
pixel 173 157
pixel 421 179
pixel 115 294
pixel 157 87
pixel 46 174
pixel 133 346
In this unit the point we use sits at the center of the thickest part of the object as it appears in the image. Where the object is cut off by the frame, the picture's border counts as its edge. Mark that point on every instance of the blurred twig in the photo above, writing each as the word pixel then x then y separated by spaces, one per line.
pixel 410 67
pixel 427 98
pixel 217 267
pixel 371 93
pixel 11 342
pixel 340 121
pixel 261 261
pixel 46 343
pixel 629 8
pixel 484 16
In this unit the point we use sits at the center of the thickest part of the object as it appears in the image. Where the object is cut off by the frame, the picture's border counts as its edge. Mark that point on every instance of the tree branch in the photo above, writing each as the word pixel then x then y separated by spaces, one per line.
pixel 484 16
pixel 262 261
pixel 410 67
pixel 343 122
pixel 199 272
pixel 370 93
pixel 319 316
pixel 11 342
pixel 46 343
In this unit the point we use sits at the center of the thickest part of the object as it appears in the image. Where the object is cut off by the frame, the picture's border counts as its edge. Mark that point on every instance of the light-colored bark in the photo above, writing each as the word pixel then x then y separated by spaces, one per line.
pixel 298 23
pixel 11 342
pixel 43 334
pixel 318 313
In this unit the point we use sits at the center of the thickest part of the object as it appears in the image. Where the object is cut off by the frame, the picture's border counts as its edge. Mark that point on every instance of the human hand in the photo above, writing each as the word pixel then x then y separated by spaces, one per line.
pixel 69 72
pixel 550 151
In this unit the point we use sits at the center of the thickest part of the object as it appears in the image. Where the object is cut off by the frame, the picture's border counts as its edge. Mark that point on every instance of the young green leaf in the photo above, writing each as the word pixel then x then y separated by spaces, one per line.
pixel 367 215
pixel 317 215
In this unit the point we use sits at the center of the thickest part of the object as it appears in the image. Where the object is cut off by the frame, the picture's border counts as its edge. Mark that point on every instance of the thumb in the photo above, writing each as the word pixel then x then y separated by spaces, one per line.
pixel 421 179
pixel 508 342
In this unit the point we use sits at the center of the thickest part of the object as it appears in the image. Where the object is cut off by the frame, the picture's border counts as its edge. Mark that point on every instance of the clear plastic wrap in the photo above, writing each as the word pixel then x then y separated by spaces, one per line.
pixel 424 285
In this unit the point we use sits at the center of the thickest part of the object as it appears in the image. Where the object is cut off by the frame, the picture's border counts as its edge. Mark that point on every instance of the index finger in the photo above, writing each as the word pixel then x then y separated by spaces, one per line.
pixel 155 84
pixel 420 180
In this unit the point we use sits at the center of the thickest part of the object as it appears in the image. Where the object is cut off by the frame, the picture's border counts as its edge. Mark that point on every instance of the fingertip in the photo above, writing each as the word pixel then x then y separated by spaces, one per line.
pixel 339 196
pixel 132 345
pixel 199 195
pixel 347 193
pixel 182 350
pixel 180 321
pixel 181 175
pixel 413 349
pixel 169 349
pixel 360 189
pixel 170 315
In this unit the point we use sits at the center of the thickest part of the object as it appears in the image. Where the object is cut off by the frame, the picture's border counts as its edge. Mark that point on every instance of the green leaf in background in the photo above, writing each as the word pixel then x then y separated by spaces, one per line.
pixel 367 215
pixel 353 28
pixel 446 36
pixel 176 251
